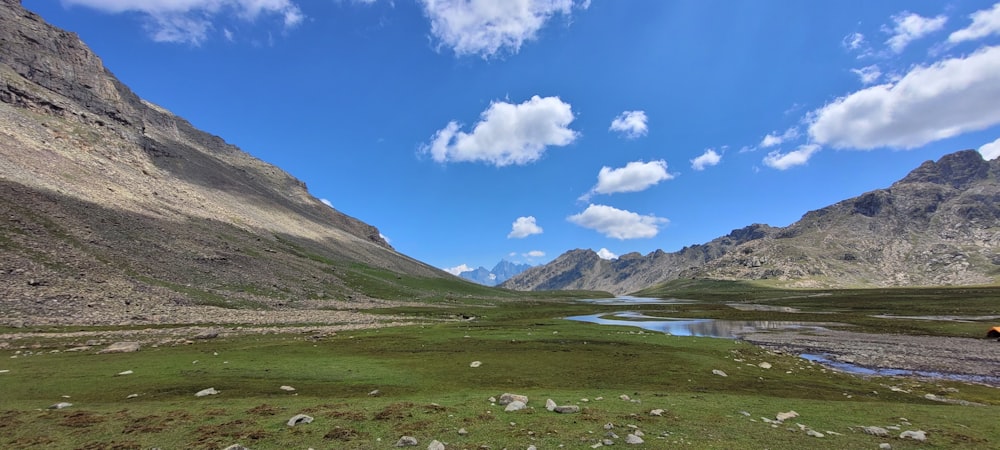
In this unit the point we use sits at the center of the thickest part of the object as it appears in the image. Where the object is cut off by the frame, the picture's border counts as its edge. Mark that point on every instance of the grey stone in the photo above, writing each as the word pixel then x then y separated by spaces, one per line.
pixel 917 435
pixel 550 405
pixel 507 398
pixel 633 439
pixel 61 405
pixel 299 419
pixel 435 445
pixel 567 409
pixel 515 405
pixel 206 392
pixel 875 431
pixel 210 333
pixel 407 441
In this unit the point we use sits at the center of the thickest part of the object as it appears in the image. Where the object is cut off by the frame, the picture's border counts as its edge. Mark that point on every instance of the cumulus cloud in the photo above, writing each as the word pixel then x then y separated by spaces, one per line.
pixel 868 74
pixel 604 253
pixel 773 139
pixel 524 227
pixel 534 254
pixel 507 133
pixel 487 27
pixel 908 27
pixel 798 157
pixel 985 22
pixel 617 223
pixel 853 41
pixel 634 177
pixel 189 21
pixel 927 104
pixel 707 159
pixel 991 150
pixel 631 124
pixel 457 269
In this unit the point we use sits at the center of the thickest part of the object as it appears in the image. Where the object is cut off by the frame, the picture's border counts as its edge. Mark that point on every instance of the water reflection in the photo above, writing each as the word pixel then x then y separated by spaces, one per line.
pixel 689 327
pixel 886 372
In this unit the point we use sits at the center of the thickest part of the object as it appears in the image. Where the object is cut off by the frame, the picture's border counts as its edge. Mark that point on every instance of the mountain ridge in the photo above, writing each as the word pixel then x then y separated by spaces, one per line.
pixel 939 225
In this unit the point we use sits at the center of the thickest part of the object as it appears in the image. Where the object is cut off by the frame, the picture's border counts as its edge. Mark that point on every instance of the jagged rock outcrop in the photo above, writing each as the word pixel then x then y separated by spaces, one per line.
pixel 939 225
pixel 111 207
pixel 501 272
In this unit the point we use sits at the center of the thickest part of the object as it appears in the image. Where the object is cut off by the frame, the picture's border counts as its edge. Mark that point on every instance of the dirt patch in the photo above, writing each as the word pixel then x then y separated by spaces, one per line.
pixel 81 419
pixel 395 411
pixel 265 410
pixel 976 359
pixel 125 445
pixel 344 434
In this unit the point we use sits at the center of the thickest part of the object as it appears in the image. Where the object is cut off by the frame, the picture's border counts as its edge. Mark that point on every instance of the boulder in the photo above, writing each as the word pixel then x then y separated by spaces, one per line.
pixel 567 409
pixel 550 405
pixel 507 398
pixel 515 405
pixel 206 392
pixel 406 441
pixel 435 445
pixel 918 435
pixel 61 405
pixel 299 419
pixel 121 347
pixel 210 333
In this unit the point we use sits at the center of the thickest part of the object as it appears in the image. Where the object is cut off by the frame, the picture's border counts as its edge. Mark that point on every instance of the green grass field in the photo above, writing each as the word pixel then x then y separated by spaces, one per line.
pixel 427 388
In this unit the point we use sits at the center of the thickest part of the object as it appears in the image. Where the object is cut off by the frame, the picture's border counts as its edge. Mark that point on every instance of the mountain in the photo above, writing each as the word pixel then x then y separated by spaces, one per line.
pixel 114 210
pixel 500 273
pixel 939 225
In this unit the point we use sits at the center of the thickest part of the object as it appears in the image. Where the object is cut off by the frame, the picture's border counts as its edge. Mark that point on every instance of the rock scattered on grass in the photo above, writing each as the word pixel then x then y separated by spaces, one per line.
pixel 121 347
pixel 435 445
pixel 463 432
pixel 764 365
pixel 210 333
pixel 206 392
pixel 814 433
pixel 475 364
pixel 567 409
pixel 299 419
pixel 719 373
pixel 406 441
pixel 4 371
pixel 131 396
pixel 550 405
pixel 657 412
pixel 374 393
pixel 287 388
pixel 885 446
pixel 917 435
pixel 786 415
pixel 875 431
pixel 633 439
pixel 236 447
pixel 61 405
pixel 515 405
pixel 507 398
pixel 127 372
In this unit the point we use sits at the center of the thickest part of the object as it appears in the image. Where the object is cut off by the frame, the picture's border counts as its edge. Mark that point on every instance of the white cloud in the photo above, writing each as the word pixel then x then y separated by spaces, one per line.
pixel 634 177
pixel 189 21
pixel 457 269
pixel 784 161
pixel 507 133
pixel 927 104
pixel 488 27
pixel 631 124
pixel 991 150
pixel 773 139
pixel 524 227
pixel 707 159
pixel 908 27
pixel 984 23
pixel 534 254
pixel 617 223
pixel 868 74
pixel 604 253
pixel 853 41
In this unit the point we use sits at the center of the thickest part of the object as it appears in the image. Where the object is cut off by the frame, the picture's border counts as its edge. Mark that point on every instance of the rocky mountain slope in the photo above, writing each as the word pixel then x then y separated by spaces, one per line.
pixel 113 209
pixel 940 225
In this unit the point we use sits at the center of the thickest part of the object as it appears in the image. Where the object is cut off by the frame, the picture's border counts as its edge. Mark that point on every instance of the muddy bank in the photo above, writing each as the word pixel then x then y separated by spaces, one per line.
pixel 945 355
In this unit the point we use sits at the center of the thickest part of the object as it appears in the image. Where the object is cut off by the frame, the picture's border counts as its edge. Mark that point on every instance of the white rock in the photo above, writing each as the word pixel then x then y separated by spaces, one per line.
pixel 374 393
pixel 299 419
pixel 657 412
pixel 885 446
pixel 633 439
pixel 406 441
pixel 4 371
pixel 550 404
pixel 515 405
pixel 462 432
pixel 287 388
pixel 475 364
pixel 121 347
pixel 764 365
pixel 131 396
pixel 719 373
pixel 814 433
pixel 61 405
pixel 918 435
pixel 786 415
pixel 435 445
pixel 567 409
pixel 876 431
pixel 206 392
pixel 127 372
pixel 625 397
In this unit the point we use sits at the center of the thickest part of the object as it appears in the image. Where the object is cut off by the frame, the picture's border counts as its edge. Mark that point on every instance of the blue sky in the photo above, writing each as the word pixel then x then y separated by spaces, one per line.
pixel 474 131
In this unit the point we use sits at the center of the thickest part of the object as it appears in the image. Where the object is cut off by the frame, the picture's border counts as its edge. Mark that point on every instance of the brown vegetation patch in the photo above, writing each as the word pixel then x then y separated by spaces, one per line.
pixel 395 411
pixel 125 445
pixel 435 408
pixel 413 428
pixel 9 419
pixel 154 423
pixel 31 442
pixel 216 412
pixel 81 419
pixel 356 416
pixel 343 434
pixel 265 410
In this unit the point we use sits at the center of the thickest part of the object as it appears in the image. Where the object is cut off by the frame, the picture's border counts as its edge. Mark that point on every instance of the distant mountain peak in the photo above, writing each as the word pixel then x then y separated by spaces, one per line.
pixel 501 272
pixel 958 170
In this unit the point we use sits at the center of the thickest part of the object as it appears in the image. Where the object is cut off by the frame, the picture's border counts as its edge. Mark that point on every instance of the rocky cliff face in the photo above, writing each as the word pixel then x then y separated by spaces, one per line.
pixel 940 225
pixel 108 201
